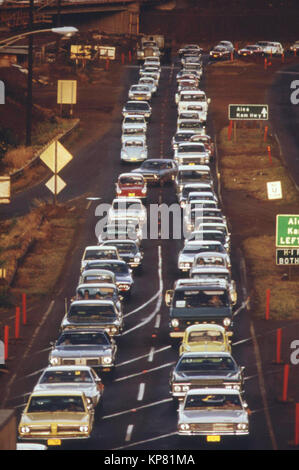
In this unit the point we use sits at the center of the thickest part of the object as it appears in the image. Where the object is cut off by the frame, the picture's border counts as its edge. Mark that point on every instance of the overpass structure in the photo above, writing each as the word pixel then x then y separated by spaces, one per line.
pixel 111 16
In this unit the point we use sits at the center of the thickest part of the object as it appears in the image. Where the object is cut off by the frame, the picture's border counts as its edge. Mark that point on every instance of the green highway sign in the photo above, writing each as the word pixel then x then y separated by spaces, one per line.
pixel 248 112
pixel 287 231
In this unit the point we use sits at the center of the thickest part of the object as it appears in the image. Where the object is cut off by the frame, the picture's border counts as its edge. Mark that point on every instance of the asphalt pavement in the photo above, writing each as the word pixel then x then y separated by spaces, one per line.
pixel 137 412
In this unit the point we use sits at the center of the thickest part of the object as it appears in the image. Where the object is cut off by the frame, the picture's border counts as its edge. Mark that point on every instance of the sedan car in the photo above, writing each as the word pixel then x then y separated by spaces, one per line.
pixel 140 92
pixel 190 48
pixel 134 122
pixel 94 314
pixel 129 251
pixel 271 48
pixel 94 253
pixel 99 291
pixel 192 153
pixel 71 378
pixel 131 185
pixel 137 107
pixel 187 256
pixel 213 412
pixel 123 274
pixel 127 207
pixel 84 347
pixel 159 171
pixel 120 230
pixel 54 416
pixel 220 52
pixel 134 149
pixel 192 187
pixel 150 82
pixel 250 51
pixel 205 338
pixel 205 369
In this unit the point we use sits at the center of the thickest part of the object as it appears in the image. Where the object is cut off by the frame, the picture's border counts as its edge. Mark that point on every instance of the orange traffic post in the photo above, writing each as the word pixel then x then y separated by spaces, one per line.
pixel 130 56
pixel 107 64
pixel 122 58
pixel 284 398
pixel 265 133
pixel 267 304
pixel 232 56
pixel 278 347
pixel 265 63
pixel 282 57
pixel 17 323
pixel 6 338
pixel 269 154
pixel 24 309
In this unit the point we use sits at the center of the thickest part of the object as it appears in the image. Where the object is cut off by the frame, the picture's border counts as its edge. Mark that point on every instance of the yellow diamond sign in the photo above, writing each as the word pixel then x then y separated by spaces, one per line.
pixel 56 157
pixel 56 187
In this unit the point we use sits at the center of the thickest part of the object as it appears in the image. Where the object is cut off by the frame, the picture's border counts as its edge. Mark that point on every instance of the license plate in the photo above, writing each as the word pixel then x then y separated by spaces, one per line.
pixel 54 442
pixel 131 194
pixel 106 369
pixel 213 438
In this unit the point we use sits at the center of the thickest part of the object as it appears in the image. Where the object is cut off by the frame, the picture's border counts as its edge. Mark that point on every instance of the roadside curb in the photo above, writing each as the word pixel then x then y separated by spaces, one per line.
pixel 16 174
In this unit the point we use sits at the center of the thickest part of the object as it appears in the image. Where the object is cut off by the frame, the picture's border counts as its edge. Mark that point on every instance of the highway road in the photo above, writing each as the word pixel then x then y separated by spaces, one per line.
pixel 137 412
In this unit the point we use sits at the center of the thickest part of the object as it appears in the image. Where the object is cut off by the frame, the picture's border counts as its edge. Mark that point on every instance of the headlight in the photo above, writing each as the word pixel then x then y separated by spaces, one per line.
pixel 184 427
pixel 25 430
pixel 54 361
pixel 142 155
pixel 136 260
pixel 226 321
pixel 88 400
pixel 175 322
pixel 113 329
pixel 177 388
pixel 242 426
pixel 143 190
pixel 107 359
pixel 83 429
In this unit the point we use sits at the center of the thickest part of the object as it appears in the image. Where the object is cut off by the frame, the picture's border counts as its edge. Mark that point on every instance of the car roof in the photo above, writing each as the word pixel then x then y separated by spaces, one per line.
pixel 205 326
pixel 91 302
pixel 207 354
pixel 96 284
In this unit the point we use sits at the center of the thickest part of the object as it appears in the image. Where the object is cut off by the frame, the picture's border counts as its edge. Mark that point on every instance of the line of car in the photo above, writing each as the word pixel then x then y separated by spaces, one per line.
pixel 206 382
pixel 65 399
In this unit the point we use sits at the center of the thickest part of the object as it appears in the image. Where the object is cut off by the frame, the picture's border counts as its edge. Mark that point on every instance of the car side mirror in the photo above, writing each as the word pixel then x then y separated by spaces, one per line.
pixel 168 297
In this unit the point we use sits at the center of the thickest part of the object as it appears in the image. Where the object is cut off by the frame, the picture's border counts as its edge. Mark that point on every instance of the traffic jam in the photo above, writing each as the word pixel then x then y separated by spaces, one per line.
pixel 206 383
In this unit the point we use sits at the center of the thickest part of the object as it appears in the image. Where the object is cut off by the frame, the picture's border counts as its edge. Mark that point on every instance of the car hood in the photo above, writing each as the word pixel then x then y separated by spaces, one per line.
pixel 211 416
pixel 84 387
pixel 186 258
pixel 80 351
pixel 48 418
pixel 133 151
pixel 211 375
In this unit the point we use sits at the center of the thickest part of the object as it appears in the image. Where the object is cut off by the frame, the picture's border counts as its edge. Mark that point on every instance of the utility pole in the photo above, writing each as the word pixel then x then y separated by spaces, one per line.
pixel 29 82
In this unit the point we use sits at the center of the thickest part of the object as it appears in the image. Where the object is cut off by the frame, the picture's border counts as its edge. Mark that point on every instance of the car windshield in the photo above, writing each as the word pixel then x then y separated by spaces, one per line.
pixel 219 237
pixel 205 336
pixel 83 339
pixel 156 165
pixel 210 260
pixel 126 205
pixel 190 175
pixel 100 254
pixel 184 298
pixel 193 249
pixel 129 180
pixel 213 402
pixel 54 404
pixel 137 106
pixel 191 149
pixel 134 143
pixel 139 88
pixel 208 276
pixel 192 97
pixel 90 313
pixel 100 277
pixel 66 376
pixel 126 248
pixel 134 119
pixel 132 131
pixel 202 364
pixel 98 292
pixel 190 124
